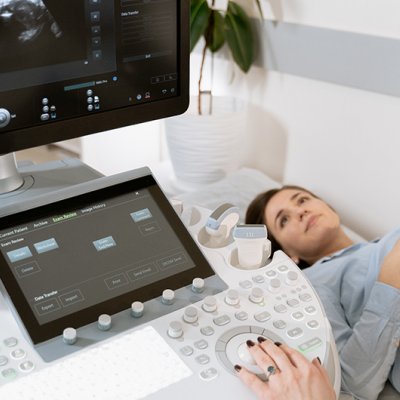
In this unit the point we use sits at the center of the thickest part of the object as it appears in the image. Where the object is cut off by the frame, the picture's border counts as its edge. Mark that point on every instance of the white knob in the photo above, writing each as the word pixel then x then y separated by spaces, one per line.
pixel 232 297
pixel 198 285
pixel 168 296
pixel 137 308
pixel 191 315
pixel 104 322
pixel 210 304
pixel 69 336
pixel 175 329
pixel 291 277
pixel 256 295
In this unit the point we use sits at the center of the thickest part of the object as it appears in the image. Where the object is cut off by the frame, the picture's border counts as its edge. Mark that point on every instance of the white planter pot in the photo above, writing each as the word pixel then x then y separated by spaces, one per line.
pixel 204 148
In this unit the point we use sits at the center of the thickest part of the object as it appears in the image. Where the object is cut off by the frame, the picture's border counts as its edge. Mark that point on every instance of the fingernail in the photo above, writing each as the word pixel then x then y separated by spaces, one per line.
pixel 261 339
pixel 250 343
pixel 319 360
pixel 278 344
pixel 237 368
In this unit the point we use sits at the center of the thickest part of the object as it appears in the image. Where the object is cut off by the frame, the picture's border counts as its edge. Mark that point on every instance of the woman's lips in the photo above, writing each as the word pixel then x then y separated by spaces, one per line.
pixel 311 221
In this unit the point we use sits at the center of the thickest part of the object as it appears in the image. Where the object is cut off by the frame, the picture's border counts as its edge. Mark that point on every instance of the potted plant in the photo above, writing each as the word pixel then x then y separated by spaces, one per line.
pixel 204 147
pixel 230 25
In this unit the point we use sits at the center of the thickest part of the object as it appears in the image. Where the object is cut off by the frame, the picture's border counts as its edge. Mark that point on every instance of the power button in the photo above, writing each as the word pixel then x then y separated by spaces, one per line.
pixel 5 117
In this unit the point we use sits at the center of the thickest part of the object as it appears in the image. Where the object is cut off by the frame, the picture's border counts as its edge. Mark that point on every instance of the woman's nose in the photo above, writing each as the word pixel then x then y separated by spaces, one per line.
pixel 301 213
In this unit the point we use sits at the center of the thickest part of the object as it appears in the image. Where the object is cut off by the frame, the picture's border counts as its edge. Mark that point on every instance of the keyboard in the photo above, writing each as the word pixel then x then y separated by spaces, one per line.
pixel 116 369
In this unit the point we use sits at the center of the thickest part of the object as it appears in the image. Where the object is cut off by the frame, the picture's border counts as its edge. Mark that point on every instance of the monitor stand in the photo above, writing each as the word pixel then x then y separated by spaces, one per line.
pixel 25 180
pixel 10 179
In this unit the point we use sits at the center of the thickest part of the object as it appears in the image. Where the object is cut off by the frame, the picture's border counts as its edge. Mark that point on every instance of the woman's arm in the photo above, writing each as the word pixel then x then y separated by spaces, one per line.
pixel 367 351
pixel 390 269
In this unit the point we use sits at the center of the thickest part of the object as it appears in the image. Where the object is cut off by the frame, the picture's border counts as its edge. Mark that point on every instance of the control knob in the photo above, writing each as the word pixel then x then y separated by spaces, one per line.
pixel 137 309
pixel 210 304
pixel 168 297
pixel 232 297
pixel 5 117
pixel 256 295
pixel 198 285
pixel 175 329
pixel 104 322
pixel 190 315
pixel 69 336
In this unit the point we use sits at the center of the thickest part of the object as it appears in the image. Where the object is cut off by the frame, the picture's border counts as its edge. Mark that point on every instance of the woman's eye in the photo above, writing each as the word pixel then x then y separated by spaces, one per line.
pixel 284 220
pixel 302 199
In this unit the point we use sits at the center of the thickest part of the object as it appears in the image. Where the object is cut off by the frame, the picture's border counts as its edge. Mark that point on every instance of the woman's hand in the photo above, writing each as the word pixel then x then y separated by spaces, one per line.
pixel 390 268
pixel 293 377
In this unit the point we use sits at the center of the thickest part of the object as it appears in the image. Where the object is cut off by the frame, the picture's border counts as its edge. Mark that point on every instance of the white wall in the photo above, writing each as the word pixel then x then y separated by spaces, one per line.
pixel 342 143
pixel 375 17
pixel 123 149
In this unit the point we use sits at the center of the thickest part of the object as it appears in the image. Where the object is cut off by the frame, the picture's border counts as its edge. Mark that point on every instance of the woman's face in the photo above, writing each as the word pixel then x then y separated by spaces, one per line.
pixel 303 224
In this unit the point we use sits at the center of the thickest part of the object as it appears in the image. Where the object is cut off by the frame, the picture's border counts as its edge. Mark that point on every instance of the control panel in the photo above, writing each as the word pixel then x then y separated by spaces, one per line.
pixel 200 330
pixel 275 303
pixel 274 300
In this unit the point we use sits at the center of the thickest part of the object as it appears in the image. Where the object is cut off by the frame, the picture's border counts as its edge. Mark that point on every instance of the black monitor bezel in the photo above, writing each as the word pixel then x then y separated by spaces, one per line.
pixel 40 333
pixel 11 141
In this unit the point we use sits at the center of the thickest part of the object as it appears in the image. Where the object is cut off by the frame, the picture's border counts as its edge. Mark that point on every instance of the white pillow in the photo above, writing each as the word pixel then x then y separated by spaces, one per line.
pixel 238 188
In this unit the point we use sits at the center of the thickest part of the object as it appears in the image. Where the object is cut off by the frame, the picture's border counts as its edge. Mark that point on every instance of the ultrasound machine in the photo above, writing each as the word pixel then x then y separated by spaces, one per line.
pixel 107 289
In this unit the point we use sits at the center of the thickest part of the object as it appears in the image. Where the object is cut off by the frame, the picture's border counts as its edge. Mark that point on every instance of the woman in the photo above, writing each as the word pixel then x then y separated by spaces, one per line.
pixel 359 284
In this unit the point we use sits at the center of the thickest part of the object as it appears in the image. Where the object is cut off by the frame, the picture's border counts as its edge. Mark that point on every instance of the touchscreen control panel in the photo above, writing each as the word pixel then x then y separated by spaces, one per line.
pixel 67 262
pixel 71 261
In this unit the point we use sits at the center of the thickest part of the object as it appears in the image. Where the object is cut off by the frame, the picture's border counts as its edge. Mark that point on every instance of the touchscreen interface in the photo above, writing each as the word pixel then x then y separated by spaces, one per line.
pixel 68 261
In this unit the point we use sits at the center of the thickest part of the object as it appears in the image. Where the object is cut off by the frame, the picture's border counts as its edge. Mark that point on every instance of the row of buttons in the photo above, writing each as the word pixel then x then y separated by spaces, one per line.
pixel 256 296
pixel 294 303
pixel 95 18
pixel 164 78
pixel 176 328
pixel 275 284
pixel 92 101
pixel 278 324
pixel 17 355
pixel 47 111
pixel 202 359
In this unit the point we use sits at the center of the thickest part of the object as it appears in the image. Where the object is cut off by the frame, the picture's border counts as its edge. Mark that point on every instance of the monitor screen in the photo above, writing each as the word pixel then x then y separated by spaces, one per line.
pixel 69 68
pixel 66 262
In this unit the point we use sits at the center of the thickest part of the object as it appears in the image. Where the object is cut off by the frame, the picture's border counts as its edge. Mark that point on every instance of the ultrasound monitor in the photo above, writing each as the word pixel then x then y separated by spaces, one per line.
pixel 72 68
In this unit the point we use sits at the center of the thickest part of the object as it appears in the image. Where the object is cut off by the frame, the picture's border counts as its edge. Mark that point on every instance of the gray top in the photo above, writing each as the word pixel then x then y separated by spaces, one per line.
pixel 364 314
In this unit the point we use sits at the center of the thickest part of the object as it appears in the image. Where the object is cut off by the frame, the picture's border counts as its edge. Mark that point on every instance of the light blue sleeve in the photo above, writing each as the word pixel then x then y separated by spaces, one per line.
pixel 367 351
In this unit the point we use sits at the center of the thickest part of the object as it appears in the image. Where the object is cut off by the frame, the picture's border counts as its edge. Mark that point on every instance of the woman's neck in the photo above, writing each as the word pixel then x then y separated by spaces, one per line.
pixel 339 243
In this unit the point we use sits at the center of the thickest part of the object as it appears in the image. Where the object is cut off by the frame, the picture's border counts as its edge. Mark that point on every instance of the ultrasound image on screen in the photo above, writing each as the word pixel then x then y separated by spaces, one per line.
pixel 37 33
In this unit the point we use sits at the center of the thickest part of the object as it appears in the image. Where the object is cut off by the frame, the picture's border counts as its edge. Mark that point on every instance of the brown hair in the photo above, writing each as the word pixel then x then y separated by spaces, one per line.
pixel 255 214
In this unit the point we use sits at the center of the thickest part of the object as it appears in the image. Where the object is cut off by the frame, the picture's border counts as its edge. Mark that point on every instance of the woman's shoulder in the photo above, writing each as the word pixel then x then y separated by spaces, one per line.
pixel 389 238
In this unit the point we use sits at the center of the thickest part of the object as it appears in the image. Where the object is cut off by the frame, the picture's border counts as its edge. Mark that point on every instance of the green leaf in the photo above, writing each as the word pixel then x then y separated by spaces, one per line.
pixel 215 36
pixel 239 35
pixel 199 16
